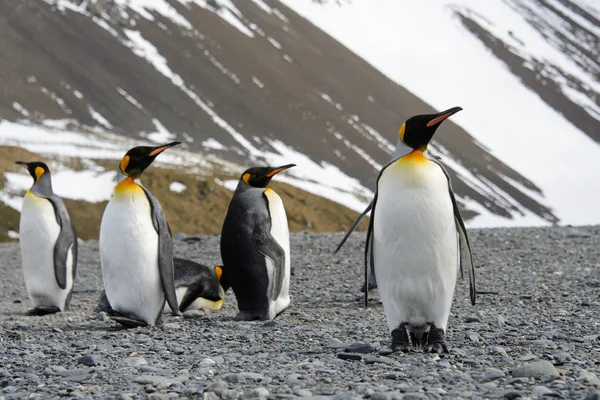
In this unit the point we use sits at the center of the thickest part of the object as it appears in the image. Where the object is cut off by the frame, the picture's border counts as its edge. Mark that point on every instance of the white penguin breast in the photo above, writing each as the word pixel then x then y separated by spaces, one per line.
pixel 39 230
pixel 415 242
pixel 281 234
pixel 129 256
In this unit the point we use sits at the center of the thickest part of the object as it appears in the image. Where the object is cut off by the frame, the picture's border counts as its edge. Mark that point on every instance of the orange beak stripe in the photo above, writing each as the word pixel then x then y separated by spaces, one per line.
pixel 158 151
pixel 437 120
pixel 275 172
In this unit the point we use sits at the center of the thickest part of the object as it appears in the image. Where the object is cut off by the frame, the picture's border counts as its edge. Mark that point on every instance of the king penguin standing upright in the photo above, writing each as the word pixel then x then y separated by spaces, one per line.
pixel 136 246
pixel 48 244
pixel 255 247
pixel 416 240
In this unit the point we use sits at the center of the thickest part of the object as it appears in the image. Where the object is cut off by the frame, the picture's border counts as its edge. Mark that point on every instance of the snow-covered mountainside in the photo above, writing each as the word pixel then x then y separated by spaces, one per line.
pixel 527 73
pixel 242 82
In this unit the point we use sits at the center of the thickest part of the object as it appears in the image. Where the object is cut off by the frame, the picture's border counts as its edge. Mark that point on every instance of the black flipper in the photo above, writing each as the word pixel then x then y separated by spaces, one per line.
pixel 268 247
pixel 165 252
pixel 353 227
pixel 465 246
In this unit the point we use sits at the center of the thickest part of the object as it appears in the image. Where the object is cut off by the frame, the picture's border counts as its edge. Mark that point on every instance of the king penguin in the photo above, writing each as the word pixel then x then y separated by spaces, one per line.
pixel 136 246
pixel 48 244
pixel 196 285
pixel 416 240
pixel 255 247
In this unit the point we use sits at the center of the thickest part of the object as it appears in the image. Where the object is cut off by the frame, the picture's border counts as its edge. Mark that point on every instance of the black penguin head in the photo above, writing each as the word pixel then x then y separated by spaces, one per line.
pixel 261 176
pixel 139 158
pixel 36 169
pixel 417 131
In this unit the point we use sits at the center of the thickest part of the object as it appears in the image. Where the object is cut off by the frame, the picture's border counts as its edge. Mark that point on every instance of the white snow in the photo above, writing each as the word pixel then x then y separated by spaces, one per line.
pixel 12 234
pixel 177 187
pixel 161 135
pixel 129 98
pixel 274 42
pixel 99 118
pixel 77 185
pixel 264 6
pixel 19 108
pixel 213 144
pixel 442 63
pixel 257 82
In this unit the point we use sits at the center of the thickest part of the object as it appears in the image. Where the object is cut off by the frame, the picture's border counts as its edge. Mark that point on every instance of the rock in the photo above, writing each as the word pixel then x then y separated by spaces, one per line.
pixel 151 380
pixel 359 348
pixel 511 394
pixel 381 360
pixel 349 356
pixel 303 393
pixel 191 314
pixel 473 337
pixel 259 392
pixel 492 375
pixel 595 395
pixel 235 378
pixel 542 391
pixel 102 316
pixel 90 360
pixel 385 351
pixel 415 396
pixel 472 319
pixel 381 396
pixel 535 370
pixel 133 361
pixel 207 362
pixel 498 350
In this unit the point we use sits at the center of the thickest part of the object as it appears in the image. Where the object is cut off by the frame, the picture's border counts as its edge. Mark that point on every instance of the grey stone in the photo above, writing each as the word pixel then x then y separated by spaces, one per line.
pixel 259 392
pixel 349 356
pixel 492 375
pixel 358 347
pixel 90 360
pixel 594 395
pixel 235 378
pixel 133 361
pixel 539 392
pixel 535 370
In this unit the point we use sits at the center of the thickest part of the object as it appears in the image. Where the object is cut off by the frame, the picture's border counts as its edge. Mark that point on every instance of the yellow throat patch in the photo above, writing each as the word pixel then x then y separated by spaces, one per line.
pixel 127 187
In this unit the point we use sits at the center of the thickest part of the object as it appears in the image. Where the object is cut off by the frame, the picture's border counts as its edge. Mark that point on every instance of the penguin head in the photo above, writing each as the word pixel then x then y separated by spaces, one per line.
pixel 139 158
pixel 36 169
pixel 417 131
pixel 260 177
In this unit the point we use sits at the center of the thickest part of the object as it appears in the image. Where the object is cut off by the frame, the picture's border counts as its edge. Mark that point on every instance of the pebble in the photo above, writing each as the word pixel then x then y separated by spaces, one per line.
pixel 492 375
pixel 259 392
pixel 349 356
pixel 539 392
pixel 535 370
pixel 90 360
pixel 359 348
pixel 595 395
pixel 133 361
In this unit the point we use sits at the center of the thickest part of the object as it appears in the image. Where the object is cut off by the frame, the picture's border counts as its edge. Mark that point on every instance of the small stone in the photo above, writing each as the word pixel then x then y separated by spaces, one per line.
pixel 492 375
pixel 303 393
pixel 542 391
pixel 191 314
pixel 210 396
pixel 595 395
pixel 270 324
pixel 150 380
pixel 259 392
pixel 217 387
pixel 90 360
pixel 473 337
pixel 535 370
pixel 79 344
pixel 415 396
pixel 498 350
pixel 102 316
pixel 472 319
pixel 359 348
pixel 133 361
pixel 349 356
pixel 207 362
pixel 381 396
pixel 512 395
pixel 235 378
pixel 385 351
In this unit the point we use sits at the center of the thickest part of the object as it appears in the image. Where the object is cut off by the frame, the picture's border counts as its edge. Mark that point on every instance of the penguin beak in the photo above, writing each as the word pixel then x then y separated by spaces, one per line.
pixel 441 117
pixel 159 149
pixel 23 163
pixel 279 169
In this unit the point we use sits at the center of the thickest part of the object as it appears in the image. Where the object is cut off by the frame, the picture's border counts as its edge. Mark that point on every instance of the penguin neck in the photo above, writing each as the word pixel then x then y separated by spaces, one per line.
pixel 43 186
pixel 414 157
pixel 128 186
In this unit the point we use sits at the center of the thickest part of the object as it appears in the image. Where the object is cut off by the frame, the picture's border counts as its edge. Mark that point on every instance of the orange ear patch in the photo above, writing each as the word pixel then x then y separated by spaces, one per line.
pixel 219 272
pixel 246 178
pixel 124 163
pixel 401 133
pixel 39 171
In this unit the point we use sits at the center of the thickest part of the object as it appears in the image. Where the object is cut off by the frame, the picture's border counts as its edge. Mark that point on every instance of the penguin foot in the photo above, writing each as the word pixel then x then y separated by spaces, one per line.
pixel 400 339
pixel 126 320
pixel 248 316
pixel 39 311
pixel 436 342
pixel 419 339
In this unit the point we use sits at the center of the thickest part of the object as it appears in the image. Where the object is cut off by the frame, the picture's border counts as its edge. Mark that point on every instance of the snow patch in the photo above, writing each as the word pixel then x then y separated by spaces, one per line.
pixel 99 118
pixel 177 187
pixel 213 144
pixel 257 82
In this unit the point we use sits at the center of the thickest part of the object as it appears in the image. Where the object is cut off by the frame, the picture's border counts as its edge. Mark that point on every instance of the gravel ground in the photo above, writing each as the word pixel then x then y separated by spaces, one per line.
pixel 533 333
